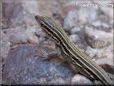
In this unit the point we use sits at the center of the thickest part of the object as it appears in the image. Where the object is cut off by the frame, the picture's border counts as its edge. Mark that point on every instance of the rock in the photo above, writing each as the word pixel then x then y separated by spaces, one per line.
pixel 108 68
pixel 23 24
pixel 27 64
pixel 46 7
pixel 74 38
pixel 78 39
pixel 70 20
pixel 102 26
pixel 106 60
pixel 30 7
pixel 16 13
pixel 87 14
pixel 21 35
pixel 93 52
pixel 106 7
pixel 73 5
pixel 57 81
pixel 103 53
pixel 75 30
pixel 97 23
pixel 80 80
pixel 10 11
pixel 4 49
pixel 5 45
pixel 97 39
pixel 79 15
pixel 70 6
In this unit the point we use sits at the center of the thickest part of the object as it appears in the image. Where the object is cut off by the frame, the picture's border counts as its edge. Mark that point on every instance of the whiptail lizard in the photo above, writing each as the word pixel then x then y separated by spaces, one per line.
pixel 79 61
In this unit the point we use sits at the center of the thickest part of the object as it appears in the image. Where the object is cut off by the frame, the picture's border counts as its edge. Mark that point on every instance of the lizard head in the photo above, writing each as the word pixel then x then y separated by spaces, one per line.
pixel 49 26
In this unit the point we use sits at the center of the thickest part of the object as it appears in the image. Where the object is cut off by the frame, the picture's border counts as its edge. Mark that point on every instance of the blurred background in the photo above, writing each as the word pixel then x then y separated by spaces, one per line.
pixel 88 23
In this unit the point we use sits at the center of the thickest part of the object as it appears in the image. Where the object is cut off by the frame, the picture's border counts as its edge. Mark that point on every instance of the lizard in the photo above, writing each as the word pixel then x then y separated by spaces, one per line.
pixel 80 62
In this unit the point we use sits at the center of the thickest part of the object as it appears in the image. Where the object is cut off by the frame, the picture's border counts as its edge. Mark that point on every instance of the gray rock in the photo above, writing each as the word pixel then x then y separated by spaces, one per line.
pixel 75 30
pixel 74 38
pixel 103 61
pixel 70 20
pixel 102 26
pixel 97 39
pixel 97 23
pixel 106 7
pixel 87 13
pixel 27 64
pixel 103 53
pixel 80 80
pixel 20 34
pixel 5 45
pixel 4 49
pixel 30 7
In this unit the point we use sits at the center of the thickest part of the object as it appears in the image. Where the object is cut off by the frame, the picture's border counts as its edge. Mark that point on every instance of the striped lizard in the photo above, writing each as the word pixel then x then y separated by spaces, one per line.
pixel 79 61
